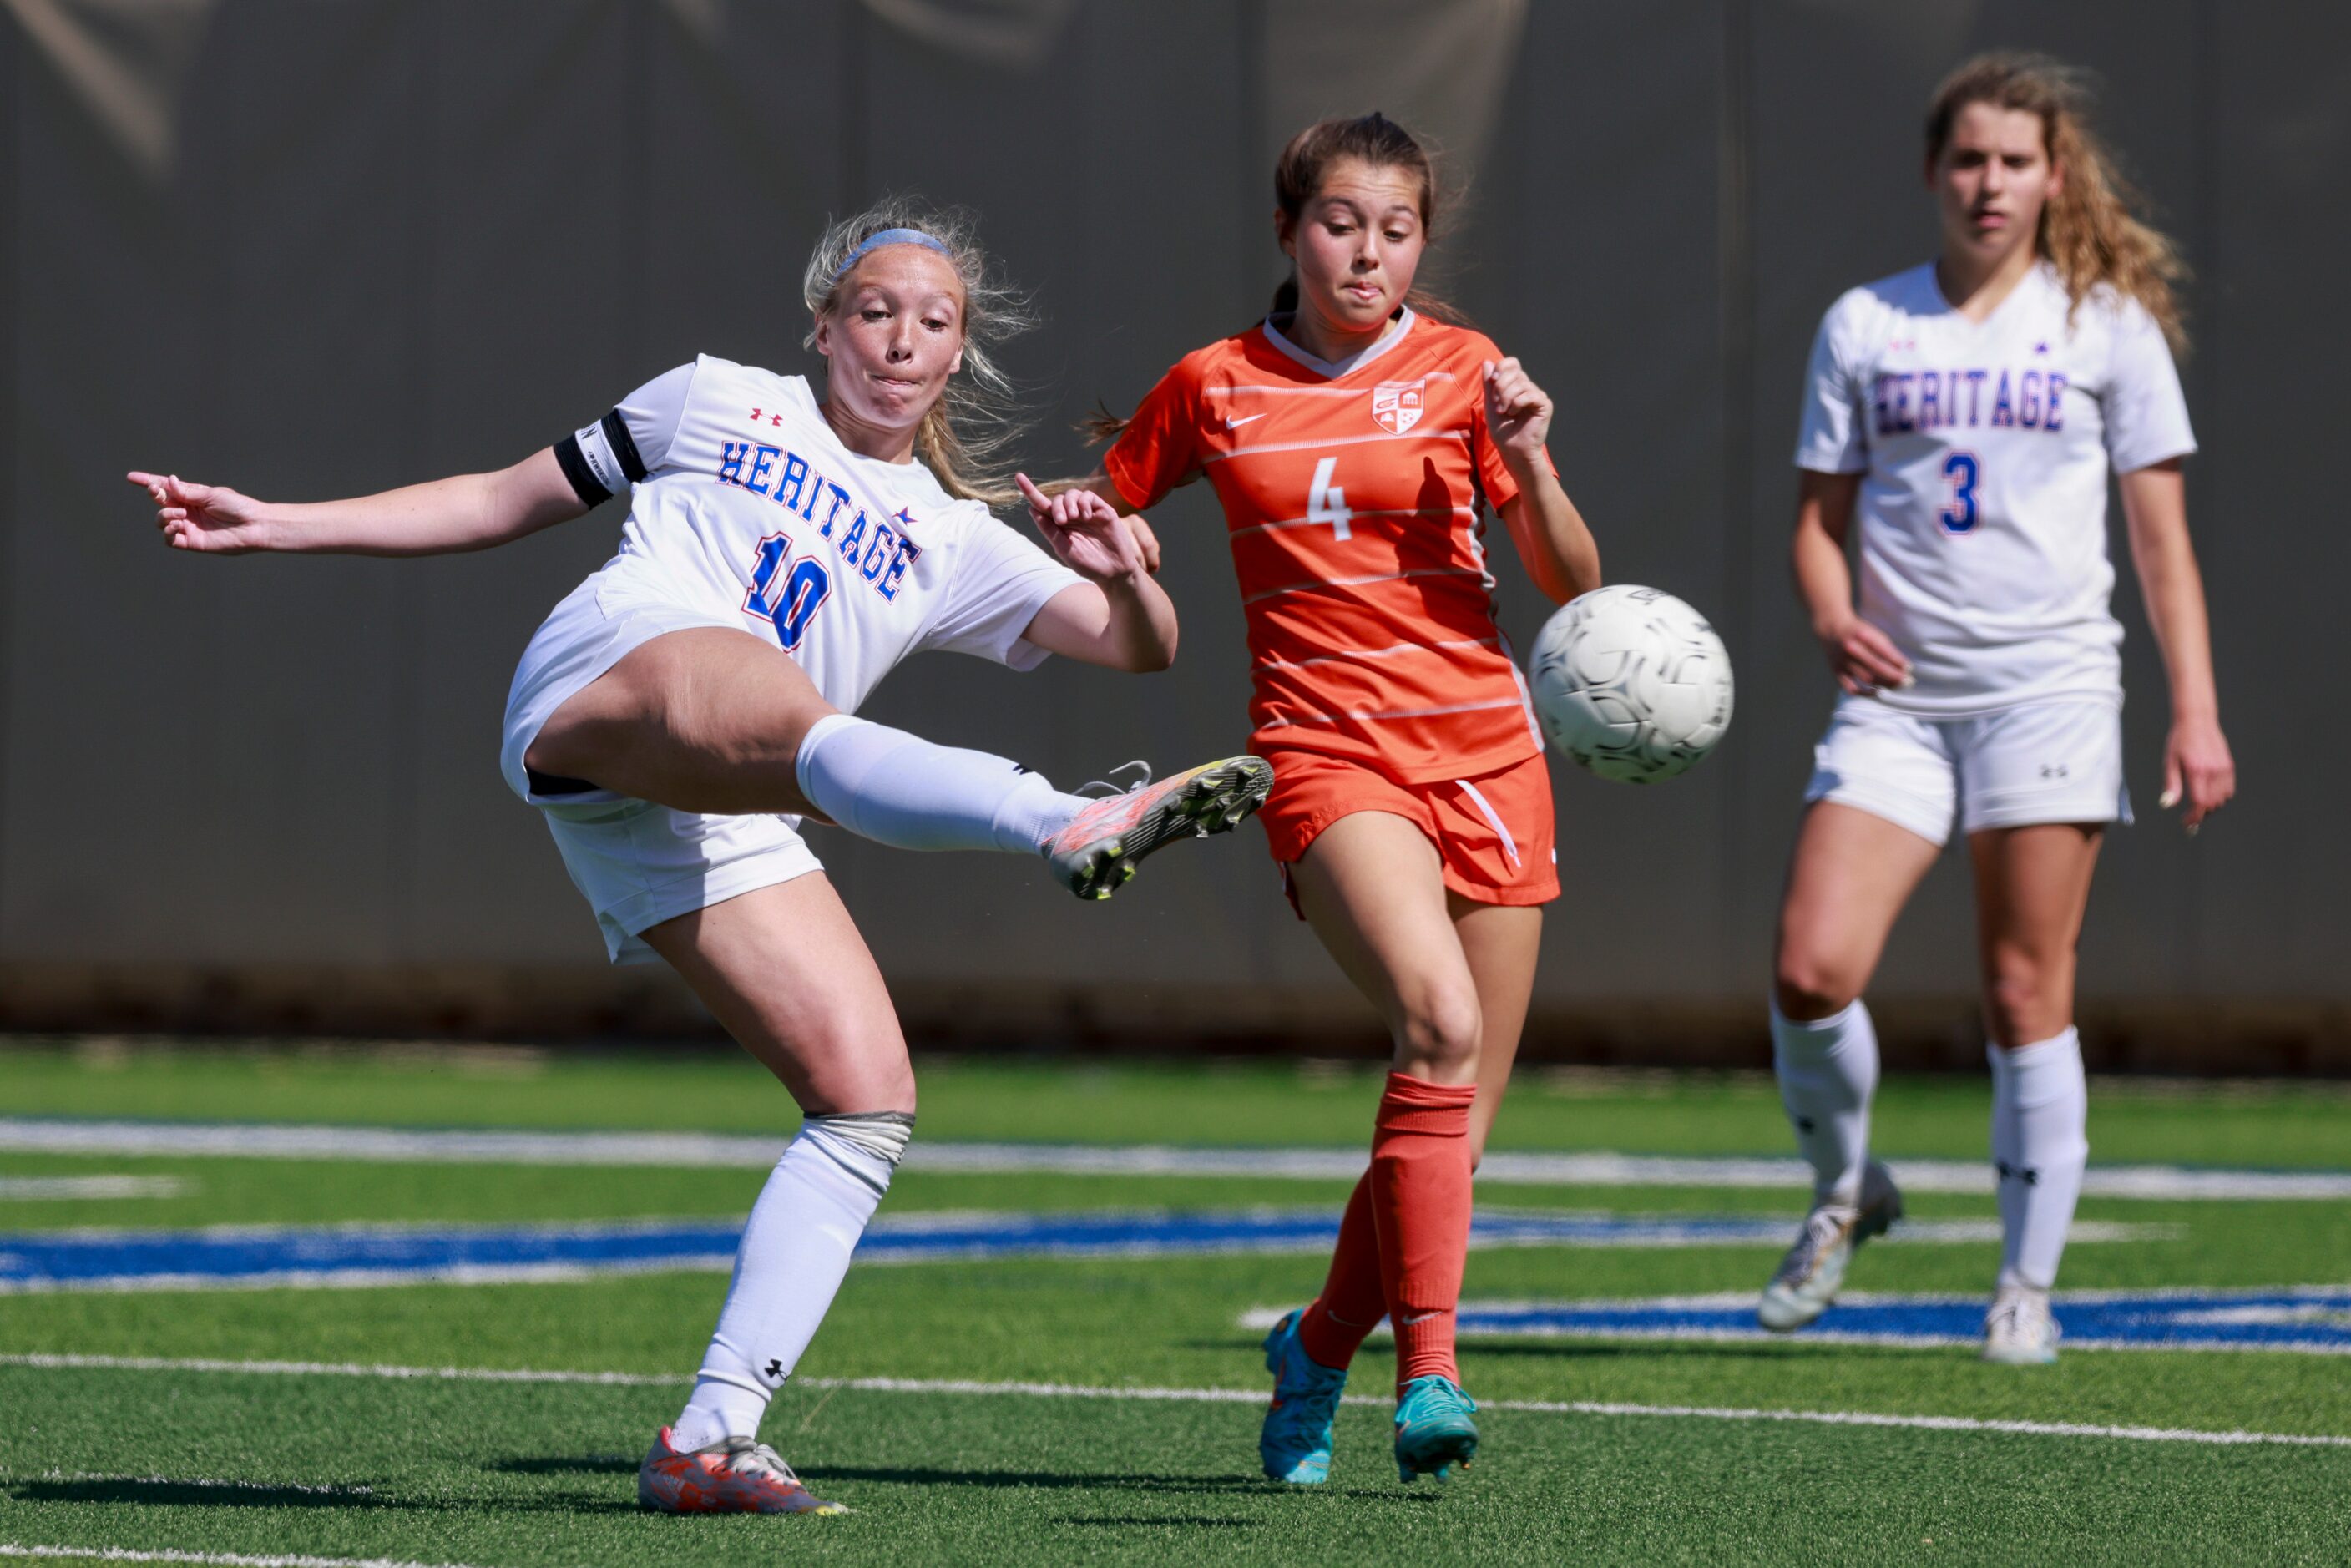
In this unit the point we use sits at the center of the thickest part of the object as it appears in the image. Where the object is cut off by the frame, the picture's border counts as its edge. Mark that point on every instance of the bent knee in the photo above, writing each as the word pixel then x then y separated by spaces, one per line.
pixel 1807 986
pixel 1440 1032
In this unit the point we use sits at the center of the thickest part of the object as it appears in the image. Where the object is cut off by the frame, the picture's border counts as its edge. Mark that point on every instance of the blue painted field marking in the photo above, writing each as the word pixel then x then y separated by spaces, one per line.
pixel 262 1256
pixel 2311 1319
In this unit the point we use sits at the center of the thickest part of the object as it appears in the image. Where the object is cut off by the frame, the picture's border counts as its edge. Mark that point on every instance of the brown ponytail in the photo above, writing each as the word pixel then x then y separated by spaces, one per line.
pixel 2087 230
pixel 1372 139
pixel 1379 141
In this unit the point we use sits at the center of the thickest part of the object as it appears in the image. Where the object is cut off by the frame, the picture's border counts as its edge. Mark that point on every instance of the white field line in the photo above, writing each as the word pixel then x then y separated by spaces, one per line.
pixel 31 1189
pixel 120 1478
pixel 63 1362
pixel 1210 1396
pixel 229 1558
pixel 27 1134
pixel 2322 1308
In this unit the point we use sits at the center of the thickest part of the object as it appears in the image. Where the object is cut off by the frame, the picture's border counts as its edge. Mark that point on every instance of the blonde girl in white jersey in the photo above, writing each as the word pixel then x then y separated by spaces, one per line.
pixel 1968 412
pixel 679 713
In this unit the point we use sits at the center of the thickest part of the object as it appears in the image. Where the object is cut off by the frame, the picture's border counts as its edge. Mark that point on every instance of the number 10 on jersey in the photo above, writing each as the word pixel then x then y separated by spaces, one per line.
pixel 788 598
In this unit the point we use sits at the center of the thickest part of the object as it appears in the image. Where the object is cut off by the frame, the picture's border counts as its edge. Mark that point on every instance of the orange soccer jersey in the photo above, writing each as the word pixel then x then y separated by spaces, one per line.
pixel 1356 499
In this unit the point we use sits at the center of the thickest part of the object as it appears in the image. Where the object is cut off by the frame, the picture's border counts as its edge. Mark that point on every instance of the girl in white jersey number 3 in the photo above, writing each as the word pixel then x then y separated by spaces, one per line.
pixel 1968 412
pixel 682 710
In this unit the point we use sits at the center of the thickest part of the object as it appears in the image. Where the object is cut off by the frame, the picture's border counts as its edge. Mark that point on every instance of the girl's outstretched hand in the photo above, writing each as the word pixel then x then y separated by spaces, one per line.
pixel 1087 533
pixel 202 516
pixel 1518 412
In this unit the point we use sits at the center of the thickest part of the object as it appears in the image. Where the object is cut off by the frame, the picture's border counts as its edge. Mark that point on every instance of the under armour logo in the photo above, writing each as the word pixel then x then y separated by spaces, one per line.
pixel 1803 1123
pixel 775 1369
pixel 2055 770
pixel 2029 1175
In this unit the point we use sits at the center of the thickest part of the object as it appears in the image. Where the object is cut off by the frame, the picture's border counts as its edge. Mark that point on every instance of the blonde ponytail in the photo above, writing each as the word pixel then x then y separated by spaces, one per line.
pixel 964 437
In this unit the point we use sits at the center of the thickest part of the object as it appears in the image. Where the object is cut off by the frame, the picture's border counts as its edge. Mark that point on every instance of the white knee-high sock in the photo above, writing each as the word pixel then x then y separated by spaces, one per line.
pixel 2039 1144
pixel 1828 1073
pixel 795 1250
pixel 900 789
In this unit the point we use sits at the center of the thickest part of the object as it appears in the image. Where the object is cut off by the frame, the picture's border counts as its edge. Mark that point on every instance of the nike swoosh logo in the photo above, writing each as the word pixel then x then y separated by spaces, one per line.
pixel 1232 424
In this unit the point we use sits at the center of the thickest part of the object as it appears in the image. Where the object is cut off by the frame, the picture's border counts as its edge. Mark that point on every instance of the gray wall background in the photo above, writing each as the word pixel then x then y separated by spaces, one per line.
pixel 318 248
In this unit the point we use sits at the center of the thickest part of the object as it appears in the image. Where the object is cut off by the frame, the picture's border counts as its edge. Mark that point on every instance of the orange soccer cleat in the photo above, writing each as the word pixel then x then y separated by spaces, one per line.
pixel 1095 853
pixel 734 1475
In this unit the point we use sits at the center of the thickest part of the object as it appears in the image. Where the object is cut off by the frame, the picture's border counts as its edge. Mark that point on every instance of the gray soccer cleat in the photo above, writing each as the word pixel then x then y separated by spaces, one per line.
pixel 1809 1276
pixel 1095 853
pixel 2019 1330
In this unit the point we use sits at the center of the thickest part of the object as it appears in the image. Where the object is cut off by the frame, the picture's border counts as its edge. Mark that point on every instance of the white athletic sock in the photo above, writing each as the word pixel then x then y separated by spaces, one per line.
pixel 900 789
pixel 794 1251
pixel 2040 1142
pixel 1828 1073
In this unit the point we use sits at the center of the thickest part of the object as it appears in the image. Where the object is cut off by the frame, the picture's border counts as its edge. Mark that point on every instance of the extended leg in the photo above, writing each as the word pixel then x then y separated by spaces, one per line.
pixel 716 721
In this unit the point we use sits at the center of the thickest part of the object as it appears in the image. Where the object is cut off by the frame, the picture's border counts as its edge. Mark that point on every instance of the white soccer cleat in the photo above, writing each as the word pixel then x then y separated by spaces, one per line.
pixel 2019 1330
pixel 1809 1276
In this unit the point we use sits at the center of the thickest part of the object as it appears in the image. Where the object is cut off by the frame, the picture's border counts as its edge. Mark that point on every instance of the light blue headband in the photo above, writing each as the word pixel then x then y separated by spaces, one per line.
pixel 890 236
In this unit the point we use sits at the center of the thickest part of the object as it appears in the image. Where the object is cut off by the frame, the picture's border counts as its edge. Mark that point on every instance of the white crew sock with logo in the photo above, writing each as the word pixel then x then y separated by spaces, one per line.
pixel 900 789
pixel 794 1251
pixel 2039 1144
pixel 1828 1073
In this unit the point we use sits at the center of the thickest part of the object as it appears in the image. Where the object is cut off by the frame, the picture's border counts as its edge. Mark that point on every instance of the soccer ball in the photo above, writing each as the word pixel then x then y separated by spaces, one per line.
pixel 1631 683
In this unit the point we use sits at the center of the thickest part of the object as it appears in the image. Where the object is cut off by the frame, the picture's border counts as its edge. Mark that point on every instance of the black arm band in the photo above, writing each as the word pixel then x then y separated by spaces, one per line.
pixel 624 447
pixel 584 483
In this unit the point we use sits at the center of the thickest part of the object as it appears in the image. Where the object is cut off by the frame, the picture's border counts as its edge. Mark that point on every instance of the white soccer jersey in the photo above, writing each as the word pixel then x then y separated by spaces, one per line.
pixel 1985 448
pixel 747 506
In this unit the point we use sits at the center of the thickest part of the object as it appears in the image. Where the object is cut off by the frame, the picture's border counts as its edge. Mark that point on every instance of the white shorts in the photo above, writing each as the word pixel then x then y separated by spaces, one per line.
pixel 637 863
pixel 2055 761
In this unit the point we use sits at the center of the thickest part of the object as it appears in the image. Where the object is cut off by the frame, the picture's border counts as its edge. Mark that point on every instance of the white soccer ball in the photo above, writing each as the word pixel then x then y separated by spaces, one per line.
pixel 1631 683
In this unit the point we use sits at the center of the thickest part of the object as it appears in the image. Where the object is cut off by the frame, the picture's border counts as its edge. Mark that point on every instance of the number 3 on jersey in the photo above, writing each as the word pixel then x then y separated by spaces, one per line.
pixel 1326 503
pixel 1964 472
pixel 787 598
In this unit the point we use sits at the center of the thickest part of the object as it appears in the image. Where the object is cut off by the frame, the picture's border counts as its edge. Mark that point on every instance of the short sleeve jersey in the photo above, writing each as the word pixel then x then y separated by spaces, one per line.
pixel 745 506
pixel 1984 449
pixel 1356 496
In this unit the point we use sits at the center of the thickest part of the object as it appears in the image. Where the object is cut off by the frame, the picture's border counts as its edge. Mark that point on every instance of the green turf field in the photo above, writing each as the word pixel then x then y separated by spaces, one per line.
pixel 1054 1457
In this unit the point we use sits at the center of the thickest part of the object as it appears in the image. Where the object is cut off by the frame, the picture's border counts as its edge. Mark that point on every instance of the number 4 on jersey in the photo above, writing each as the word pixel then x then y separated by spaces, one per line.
pixel 1326 503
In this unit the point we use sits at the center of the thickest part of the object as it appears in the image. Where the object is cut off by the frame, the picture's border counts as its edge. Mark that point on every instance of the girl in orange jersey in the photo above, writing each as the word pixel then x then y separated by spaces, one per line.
pixel 1356 438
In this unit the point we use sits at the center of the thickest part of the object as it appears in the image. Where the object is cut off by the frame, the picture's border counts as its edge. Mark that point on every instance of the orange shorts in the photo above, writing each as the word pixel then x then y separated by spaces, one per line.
pixel 1493 833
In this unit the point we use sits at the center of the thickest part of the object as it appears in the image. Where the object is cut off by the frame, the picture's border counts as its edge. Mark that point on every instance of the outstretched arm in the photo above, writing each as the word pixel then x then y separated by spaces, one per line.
pixel 469 512
pixel 1119 618
pixel 1559 550
pixel 2196 760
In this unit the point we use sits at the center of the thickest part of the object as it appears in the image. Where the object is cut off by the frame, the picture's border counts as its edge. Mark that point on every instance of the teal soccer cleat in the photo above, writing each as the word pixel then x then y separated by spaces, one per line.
pixel 1433 1429
pixel 1295 1445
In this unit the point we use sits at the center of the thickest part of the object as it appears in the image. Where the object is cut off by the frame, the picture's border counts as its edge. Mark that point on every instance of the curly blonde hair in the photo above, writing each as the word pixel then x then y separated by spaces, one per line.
pixel 2087 229
pixel 964 439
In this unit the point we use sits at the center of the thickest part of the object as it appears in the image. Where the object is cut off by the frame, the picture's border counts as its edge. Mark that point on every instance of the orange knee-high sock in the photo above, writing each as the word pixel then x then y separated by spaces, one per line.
pixel 1354 1299
pixel 1420 1205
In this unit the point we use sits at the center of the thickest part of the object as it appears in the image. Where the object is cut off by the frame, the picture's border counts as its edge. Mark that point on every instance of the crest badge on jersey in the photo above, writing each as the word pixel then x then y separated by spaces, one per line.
pixel 1396 406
